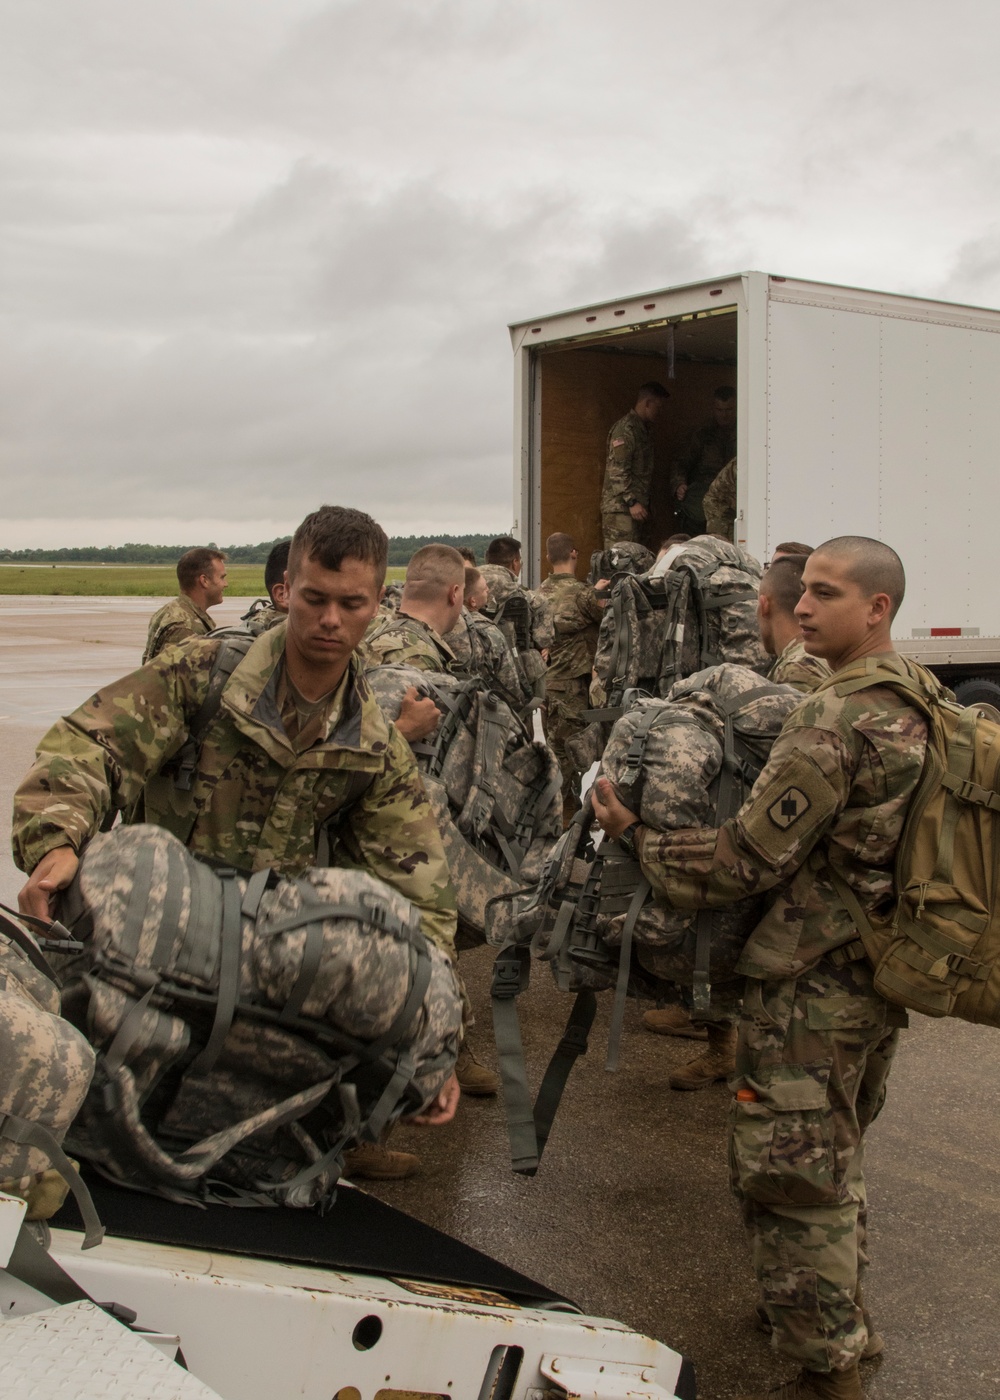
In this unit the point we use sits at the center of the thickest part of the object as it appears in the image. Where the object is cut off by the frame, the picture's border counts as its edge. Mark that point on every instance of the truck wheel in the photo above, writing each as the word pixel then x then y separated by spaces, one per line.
pixel 977 690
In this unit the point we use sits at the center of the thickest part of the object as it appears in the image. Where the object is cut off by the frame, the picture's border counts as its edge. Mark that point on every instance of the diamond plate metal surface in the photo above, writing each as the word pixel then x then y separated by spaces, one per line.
pixel 78 1352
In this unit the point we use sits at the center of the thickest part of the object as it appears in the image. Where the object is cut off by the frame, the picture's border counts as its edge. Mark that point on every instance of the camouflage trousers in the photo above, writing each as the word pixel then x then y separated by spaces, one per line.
pixel 816 1051
pixel 618 525
pixel 565 702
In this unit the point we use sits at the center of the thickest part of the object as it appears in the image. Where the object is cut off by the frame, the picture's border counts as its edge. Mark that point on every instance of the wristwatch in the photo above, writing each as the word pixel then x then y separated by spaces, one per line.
pixel 627 840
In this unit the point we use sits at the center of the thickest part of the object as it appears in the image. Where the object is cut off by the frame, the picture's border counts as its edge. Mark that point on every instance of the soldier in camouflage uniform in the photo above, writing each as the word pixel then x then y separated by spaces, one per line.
pixel 711 448
pixel 480 648
pixel 201 574
pixel 512 608
pixel 719 503
pixel 571 616
pixel 816 1041
pixel 297 741
pixel 780 591
pixel 266 612
pixel 628 471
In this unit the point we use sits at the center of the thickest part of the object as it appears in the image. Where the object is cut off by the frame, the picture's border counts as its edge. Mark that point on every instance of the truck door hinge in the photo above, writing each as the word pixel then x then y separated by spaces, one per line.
pixel 603 1380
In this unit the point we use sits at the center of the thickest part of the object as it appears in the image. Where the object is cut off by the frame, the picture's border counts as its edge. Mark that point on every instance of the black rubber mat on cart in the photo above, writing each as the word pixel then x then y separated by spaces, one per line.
pixel 359 1234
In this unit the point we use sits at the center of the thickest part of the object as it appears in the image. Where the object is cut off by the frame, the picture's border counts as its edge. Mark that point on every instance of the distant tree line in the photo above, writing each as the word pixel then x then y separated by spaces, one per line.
pixel 401 547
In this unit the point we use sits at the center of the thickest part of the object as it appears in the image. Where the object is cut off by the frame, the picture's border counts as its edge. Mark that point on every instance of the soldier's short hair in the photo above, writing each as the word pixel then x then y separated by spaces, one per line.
pixel 725 393
pixel 503 550
pixel 433 570
pixel 335 533
pixel 194 563
pixel 671 540
pixel 782 583
pixel 559 547
pixel 277 563
pixel 652 389
pixel 792 547
pixel 472 578
pixel 469 555
pixel 874 567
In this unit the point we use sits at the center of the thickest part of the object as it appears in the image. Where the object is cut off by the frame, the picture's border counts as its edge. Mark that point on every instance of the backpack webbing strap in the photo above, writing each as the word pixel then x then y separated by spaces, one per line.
pixel 701 985
pixel 334 1156
pixel 491 742
pixel 29 947
pixel 606 716
pixel 420 964
pixel 511 975
pixel 624 963
pixel 27 1134
pixel 230 958
pixel 961 756
pixel 231 652
pixel 572 1045
pixel 312 955
pixel 632 771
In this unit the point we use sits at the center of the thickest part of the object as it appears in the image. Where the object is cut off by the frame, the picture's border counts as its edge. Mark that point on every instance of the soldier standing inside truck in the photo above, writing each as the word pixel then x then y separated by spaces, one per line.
pixel 711 448
pixel 628 472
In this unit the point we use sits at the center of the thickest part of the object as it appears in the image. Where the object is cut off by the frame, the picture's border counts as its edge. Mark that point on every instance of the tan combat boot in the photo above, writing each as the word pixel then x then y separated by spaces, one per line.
pixel 673 1020
pixel 474 1078
pixel 372 1161
pixel 718 1061
pixel 816 1385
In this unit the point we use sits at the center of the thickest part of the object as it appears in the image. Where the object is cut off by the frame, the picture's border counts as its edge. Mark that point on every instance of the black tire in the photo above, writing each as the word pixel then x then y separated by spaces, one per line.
pixel 978 690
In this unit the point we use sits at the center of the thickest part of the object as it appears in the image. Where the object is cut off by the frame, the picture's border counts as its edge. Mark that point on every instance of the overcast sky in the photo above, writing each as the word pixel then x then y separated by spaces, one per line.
pixel 257 254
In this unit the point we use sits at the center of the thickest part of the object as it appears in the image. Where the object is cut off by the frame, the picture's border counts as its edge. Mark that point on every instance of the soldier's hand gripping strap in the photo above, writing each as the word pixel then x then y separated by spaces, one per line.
pixel 28 1134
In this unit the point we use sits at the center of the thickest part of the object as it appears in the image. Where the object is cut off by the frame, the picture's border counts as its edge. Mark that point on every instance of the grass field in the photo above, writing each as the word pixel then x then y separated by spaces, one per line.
pixel 111 580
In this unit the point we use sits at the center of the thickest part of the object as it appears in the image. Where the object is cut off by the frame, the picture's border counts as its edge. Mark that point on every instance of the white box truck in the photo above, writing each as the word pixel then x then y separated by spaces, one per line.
pixel 858 412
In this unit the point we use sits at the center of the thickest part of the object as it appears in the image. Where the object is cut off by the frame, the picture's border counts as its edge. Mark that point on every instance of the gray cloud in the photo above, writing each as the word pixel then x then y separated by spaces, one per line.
pixel 259 252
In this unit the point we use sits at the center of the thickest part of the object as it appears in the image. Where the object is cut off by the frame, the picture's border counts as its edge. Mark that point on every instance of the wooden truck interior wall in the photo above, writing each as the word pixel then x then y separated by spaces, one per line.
pixel 585 390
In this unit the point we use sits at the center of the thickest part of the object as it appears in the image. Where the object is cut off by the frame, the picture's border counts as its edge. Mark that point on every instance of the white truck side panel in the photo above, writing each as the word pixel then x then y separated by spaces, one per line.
pixel 885 424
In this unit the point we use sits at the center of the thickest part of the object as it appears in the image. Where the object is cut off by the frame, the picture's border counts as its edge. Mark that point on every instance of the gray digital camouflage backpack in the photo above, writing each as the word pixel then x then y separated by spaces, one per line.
pixel 625 557
pixel 509 607
pixel 46 1067
pixel 688 760
pixel 247 1028
pixel 495 792
pixel 701 612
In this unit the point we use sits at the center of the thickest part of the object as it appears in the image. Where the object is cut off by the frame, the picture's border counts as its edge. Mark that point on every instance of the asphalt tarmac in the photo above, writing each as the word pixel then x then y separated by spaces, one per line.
pixel 629 1214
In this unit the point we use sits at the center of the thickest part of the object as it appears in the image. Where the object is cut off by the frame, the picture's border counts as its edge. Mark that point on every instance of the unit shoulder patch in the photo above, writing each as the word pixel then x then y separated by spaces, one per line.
pixel 785 810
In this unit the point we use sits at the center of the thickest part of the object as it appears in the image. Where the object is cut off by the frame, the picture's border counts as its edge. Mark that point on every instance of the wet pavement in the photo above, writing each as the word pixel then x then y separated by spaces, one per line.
pixel 629 1214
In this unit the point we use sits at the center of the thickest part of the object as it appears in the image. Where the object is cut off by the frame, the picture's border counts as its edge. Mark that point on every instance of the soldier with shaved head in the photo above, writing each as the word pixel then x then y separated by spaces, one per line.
pixel 780 591
pixel 430 606
pixel 816 1041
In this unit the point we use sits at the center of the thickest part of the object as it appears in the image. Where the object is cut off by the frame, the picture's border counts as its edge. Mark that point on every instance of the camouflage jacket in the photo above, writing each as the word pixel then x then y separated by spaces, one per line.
pixel 796 667
pixel 711 448
pixel 396 639
pixel 628 472
pixel 254 802
pixel 261 615
pixel 512 608
pixel 573 615
pixel 174 622
pixel 833 796
pixel 481 649
pixel 719 503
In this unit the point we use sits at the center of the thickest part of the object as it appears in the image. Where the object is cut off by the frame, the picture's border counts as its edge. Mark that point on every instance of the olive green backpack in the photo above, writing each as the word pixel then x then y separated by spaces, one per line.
pixel 938 951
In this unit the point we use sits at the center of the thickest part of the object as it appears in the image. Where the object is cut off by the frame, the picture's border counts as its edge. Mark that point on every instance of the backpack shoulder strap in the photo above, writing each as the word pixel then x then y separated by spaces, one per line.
pixel 232 649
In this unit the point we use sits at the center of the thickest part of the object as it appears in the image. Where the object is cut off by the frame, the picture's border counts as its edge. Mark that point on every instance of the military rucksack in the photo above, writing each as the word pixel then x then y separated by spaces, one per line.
pixel 247 1027
pixel 495 792
pixel 509 607
pixel 625 557
pixel 938 950
pixel 700 613
pixel 46 1066
pixel 686 761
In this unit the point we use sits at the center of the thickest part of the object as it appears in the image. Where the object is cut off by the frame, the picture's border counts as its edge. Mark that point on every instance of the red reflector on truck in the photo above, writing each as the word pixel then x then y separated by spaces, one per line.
pixel 946 631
